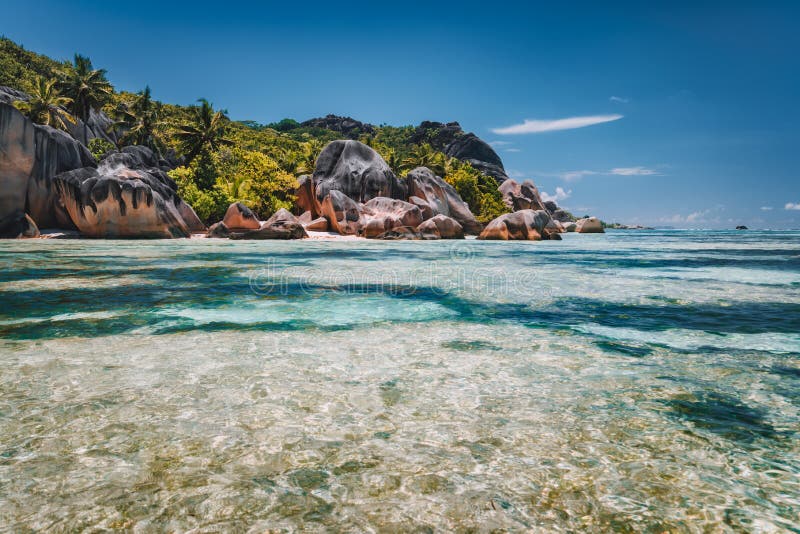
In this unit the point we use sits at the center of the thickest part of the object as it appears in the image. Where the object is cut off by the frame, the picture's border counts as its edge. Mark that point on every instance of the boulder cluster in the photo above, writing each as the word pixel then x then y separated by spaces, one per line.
pixel 50 180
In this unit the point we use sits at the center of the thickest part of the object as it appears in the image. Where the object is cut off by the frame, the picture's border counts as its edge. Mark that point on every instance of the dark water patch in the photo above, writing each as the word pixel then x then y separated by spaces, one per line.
pixel 263 326
pixel 466 346
pixel 784 370
pixel 723 415
pixel 633 351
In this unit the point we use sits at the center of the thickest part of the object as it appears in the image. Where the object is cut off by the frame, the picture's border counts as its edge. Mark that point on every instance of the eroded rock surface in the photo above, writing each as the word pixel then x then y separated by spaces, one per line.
pixel 441 198
pixel 357 171
pixel 442 227
pixel 589 225
pixel 342 212
pixel 521 196
pixel 382 214
pixel 239 217
pixel 282 225
pixel 520 225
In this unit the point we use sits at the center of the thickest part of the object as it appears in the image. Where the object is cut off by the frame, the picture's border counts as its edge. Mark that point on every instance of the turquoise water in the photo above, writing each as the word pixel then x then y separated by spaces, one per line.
pixel 633 381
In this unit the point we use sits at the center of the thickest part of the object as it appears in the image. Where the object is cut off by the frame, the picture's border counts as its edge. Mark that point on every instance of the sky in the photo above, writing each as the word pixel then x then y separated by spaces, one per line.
pixel 676 113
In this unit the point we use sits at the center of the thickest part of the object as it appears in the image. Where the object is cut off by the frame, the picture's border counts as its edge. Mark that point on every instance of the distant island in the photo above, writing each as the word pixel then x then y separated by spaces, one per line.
pixel 83 159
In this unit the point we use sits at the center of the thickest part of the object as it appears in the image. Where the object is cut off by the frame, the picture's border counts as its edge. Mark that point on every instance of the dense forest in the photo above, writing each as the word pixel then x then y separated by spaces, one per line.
pixel 216 160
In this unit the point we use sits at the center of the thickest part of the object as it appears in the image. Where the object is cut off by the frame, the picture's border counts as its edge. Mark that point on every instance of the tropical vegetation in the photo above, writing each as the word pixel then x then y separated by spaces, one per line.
pixel 218 160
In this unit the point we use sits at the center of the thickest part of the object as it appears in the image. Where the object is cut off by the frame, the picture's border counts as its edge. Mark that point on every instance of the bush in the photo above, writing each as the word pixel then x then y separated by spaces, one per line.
pixel 479 191
pixel 100 147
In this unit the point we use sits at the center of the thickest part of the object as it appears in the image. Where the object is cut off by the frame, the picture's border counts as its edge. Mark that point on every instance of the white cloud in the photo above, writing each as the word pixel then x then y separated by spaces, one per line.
pixel 632 171
pixel 792 206
pixel 619 99
pixel 572 176
pixel 500 143
pixel 558 197
pixel 538 126
pixel 766 208
pixel 710 215
pixel 512 150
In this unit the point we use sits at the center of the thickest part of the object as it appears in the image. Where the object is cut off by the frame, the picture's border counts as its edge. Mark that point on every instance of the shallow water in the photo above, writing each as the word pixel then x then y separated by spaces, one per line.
pixel 632 381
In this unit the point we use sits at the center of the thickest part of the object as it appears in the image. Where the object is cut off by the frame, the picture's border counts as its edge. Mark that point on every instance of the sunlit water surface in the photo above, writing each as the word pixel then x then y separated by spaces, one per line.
pixel 633 381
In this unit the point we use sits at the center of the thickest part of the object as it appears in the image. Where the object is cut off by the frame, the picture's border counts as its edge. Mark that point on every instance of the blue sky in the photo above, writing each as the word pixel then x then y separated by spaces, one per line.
pixel 703 95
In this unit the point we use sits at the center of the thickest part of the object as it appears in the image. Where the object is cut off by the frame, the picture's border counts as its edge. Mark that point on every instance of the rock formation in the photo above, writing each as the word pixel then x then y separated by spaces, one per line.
pixel 17 158
pixel 451 139
pixel 425 188
pixel 357 171
pixel 345 125
pixel 523 225
pixel 118 201
pixel 239 217
pixel 282 225
pixel 521 196
pixel 382 214
pixel 589 225
pixel 306 194
pixel 18 225
pixel 441 227
pixel 342 212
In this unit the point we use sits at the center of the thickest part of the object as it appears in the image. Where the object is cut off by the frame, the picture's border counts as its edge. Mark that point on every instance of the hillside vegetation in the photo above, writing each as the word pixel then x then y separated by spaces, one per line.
pixel 219 161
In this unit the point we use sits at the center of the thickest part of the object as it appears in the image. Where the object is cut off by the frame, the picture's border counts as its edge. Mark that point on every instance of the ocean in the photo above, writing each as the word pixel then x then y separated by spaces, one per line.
pixel 631 381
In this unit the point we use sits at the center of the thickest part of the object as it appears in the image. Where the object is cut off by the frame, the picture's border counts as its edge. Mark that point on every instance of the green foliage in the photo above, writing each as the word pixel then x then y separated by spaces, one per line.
pixel 86 86
pixel 140 122
pixel 99 147
pixel 206 130
pixel 284 125
pixel 19 68
pixel 478 191
pixel 46 105
pixel 209 204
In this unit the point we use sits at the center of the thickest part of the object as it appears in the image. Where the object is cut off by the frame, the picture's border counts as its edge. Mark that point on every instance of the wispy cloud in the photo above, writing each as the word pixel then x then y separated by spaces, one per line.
pixel 792 206
pixel 573 176
pixel 632 171
pixel 766 208
pixel 619 99
pixel 500 143
pixel 530 126
pixel 558 196
pixel 710 215
pixel 512 150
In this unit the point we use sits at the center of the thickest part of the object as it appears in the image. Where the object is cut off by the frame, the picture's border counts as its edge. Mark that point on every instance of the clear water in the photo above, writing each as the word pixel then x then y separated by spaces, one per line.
pixel 633 381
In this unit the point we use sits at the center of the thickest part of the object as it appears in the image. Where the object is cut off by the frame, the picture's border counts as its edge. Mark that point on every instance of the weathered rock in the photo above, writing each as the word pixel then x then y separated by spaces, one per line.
pixel 317 225
pixel 17 157
pixel 475 151
pixel 357 171
pixel 553 230
pixel 550 206
pixel 442 227
pixel 122 202
pixel 9 95
pixel 524 196
pixel 589 225
pixel 99 125
pixel 570 226
pixel 451 139
pixel 562 216
pixel 441 197
pixel 523 225
pixel 382 214
pixel 424 207
pixel 282 225
pixel 18 225
pixel 240 217
pixel 342 212
pixel 218 230
pixel 307 200
pixel 349 127
pixel 56 152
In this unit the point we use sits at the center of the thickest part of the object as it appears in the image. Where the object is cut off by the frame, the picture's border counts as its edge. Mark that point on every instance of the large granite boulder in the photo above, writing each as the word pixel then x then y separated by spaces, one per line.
pixel 441 197
pixel 451 139
pixel 114 201
pixel 9 95
pixel 282 225
pixel 97 126
pixel 357 171
pixel 522 225
pixel 589 225
pixel 17 158
pixel 307 200
pixel 239 217
pixel 18 225
pixel 343 213
pixel 382 214
pixel 441 227
pixel 56 152
pixel 521 196
pixel 562 216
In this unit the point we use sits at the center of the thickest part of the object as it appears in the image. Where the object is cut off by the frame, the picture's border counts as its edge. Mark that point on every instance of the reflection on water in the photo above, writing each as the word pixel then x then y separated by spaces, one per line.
pixel 634 381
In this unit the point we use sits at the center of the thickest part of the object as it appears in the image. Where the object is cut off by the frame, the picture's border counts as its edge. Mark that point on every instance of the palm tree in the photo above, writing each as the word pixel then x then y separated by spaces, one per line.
pixel 141 119
pixel 206 131
pixel 310 152
pixel 425 156
pixel 46 105
pixel 87 87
